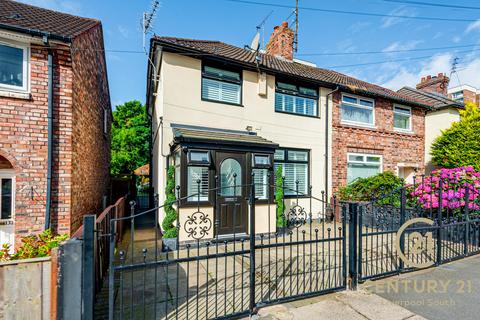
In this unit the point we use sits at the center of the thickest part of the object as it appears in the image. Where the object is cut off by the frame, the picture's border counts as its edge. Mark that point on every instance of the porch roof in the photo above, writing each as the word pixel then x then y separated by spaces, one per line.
pixel 196 134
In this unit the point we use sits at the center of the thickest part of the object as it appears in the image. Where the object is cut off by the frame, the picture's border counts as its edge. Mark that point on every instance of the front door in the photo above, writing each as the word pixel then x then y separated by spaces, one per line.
pixel 231 196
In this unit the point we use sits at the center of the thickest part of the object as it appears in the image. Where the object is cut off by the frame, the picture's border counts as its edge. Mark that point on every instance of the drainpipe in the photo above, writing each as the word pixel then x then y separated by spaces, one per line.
pixel 50 135
pixel 326 141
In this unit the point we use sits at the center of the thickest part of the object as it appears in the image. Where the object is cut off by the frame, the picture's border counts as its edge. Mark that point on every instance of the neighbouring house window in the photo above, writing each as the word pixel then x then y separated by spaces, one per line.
pixel 296 99
pixel 458 96
pixel 295 164
pixel 6 198
pixel 363 166
pixel 357 110
pixel 13 67
pixel 221 85
pixel 402 118
pixel 197 191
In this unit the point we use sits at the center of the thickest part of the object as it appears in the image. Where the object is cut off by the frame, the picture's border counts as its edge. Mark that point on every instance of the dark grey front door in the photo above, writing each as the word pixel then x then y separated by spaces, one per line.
pixel 231 197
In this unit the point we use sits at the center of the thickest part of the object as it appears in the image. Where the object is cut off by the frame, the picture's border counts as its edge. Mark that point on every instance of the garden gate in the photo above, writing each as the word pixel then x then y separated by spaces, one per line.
pixel 212 275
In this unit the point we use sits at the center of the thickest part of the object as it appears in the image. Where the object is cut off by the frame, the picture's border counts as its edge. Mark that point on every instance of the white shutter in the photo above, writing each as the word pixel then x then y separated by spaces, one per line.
pixel 220 91
pixel 194 174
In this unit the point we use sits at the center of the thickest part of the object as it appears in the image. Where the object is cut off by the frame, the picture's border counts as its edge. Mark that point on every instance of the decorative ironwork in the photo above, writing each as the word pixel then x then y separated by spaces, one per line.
pixel 297 216
pixel 197 225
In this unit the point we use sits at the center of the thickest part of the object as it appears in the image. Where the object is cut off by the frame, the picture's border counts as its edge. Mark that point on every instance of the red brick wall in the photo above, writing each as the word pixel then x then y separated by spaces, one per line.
pixel 23 142
pixel 469 96
pixel 91 147
pixel 383 140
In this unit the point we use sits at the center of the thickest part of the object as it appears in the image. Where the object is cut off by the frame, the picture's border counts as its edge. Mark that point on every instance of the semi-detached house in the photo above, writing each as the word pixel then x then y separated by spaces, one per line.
pixel 221 111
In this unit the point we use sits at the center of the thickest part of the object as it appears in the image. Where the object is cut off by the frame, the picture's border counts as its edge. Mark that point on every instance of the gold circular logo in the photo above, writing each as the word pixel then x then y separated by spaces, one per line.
pixel 419 246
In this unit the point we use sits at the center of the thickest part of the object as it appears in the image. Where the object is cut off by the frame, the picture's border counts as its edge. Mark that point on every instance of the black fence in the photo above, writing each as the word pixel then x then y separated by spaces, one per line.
pixel 216 273
pixel 408 229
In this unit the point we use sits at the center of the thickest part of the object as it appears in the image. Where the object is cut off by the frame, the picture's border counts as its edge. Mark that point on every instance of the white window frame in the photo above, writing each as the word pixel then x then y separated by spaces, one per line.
pixel 26 67
pixel 9 174
pixel 357 105
pixel 410 124
pixel 365 155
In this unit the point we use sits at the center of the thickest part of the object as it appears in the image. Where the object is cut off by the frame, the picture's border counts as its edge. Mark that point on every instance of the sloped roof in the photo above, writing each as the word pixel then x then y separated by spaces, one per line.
pixel 30 18
pixel 436 101
pixel 276 64
pixel 184 133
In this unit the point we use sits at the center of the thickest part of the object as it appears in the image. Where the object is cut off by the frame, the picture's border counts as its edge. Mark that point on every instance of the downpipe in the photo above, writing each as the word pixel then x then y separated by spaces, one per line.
pixel 50 138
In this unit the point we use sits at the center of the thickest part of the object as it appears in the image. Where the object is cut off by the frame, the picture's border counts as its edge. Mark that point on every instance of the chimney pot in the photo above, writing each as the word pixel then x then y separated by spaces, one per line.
pixel 285 24
pixel 429 77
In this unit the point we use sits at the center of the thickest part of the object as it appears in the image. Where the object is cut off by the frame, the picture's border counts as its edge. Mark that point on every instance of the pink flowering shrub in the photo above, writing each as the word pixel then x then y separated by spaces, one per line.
pixel 455 183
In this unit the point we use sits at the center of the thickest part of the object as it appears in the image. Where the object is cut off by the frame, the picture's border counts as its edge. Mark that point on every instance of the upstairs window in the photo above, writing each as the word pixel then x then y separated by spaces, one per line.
pixel 221 85
pixel 296 99
pixel 13 67
pixel 357 110
pixel 402 118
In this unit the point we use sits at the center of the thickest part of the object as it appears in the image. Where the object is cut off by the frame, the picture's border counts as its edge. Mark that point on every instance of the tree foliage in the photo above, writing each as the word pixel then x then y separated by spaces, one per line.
pixel 130 137
pixel 170 212
pixel 459 145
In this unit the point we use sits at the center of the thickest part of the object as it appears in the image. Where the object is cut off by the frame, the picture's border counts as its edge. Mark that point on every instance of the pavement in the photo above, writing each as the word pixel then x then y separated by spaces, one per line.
pixel 346 305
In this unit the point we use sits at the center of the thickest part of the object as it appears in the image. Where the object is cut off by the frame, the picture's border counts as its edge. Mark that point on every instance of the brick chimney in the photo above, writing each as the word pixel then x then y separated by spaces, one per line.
pixel 281 42
pixel 436 84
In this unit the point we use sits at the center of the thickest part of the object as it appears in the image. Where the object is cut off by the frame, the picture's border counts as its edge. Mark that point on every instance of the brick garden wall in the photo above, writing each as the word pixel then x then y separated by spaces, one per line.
pixel 383 140
pixel 91 147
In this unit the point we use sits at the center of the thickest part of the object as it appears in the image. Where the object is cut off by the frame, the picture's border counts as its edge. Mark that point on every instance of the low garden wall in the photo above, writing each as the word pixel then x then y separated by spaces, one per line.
pixel 25 289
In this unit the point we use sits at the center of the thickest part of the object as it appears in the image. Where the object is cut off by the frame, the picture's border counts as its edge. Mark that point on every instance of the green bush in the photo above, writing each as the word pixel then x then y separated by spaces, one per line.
pixel 33 246
pixel 371 188
pixel 170 212
pixel 279 197
pixel 459 145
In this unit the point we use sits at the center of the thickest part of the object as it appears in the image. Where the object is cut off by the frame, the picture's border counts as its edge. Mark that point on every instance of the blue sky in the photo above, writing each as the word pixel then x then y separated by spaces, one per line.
pixel 319 33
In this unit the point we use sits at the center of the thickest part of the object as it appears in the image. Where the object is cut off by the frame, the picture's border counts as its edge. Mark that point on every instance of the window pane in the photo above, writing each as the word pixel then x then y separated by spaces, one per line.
pixel 351 113
pixel 308 92
pixel 300 105
pixel 199 156
pixel 355 158
pixel 6 194
pixel 401 121
pixel 373 159
pixel 311 107
pixel 279 155
pixel 356 170
pixel 220 91
pixel 261 160
pixel 293 104
pixel 405 111
pixel 261 183
pixel 349 99
pixel 286 86
pixel 294 172
pixel 230 176
pixel 11 66
pixel 297 155
pixel 288 103
pixel 366 103
pixel 195 174
pixel 224 74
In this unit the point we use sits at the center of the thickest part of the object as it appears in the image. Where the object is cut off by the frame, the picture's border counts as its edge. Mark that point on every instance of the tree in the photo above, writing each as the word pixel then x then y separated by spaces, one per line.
pixel 170 212
pixel 130 137
pixel 459 145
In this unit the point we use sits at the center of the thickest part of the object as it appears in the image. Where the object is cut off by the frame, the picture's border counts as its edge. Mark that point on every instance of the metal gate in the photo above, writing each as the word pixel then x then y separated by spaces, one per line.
pixel 395 234
pixel 297 251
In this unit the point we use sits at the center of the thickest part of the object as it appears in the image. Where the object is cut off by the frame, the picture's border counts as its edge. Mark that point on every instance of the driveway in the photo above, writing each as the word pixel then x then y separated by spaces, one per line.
pixel 450 291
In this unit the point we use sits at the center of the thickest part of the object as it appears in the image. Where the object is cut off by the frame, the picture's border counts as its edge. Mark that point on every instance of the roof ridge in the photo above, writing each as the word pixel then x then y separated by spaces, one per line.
pixel 187 39
pixel 51 10
pixel 429 94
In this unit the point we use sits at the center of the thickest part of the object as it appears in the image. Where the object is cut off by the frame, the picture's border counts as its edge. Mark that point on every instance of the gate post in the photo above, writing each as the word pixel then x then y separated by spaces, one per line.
pixel 111 275
pixel 439 222
pixel 352 244
pixel 252 246
pixel 88 281
pixel 467 222
pixel 402 221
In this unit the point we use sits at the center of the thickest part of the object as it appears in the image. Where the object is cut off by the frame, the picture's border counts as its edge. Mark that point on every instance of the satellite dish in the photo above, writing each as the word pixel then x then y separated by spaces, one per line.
pixel 255 42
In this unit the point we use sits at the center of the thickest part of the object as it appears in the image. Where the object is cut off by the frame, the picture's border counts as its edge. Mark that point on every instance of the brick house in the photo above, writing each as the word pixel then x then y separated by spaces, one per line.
pixel 253 111
pixel 55 117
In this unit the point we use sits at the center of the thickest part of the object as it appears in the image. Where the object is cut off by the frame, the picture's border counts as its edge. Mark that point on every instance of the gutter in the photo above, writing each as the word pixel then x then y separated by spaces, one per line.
pixel 326 141
pixel 36 32
pixel 50 138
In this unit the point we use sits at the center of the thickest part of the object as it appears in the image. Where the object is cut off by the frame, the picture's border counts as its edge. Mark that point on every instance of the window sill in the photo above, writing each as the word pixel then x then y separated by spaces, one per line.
pixel 404 131
pixel 297 114
pixel 223 102
pixel 15 94
pixel 358 125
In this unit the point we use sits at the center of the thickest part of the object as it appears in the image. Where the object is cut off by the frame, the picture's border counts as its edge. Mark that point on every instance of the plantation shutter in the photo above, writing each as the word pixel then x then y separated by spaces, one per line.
pixel 194 174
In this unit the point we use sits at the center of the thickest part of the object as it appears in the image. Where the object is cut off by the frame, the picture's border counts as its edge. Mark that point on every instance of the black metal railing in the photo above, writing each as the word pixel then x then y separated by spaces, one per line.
pixel 213 274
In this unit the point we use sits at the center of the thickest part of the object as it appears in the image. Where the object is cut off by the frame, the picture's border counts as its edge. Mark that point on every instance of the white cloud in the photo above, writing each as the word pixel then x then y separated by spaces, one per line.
pixel 437 35
pixel 473 26
pixel 358 26
pixel 123 31
pixel 456 39
pixel 405 76
pixel 66 6
pixel 400 11
pixel 402 45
